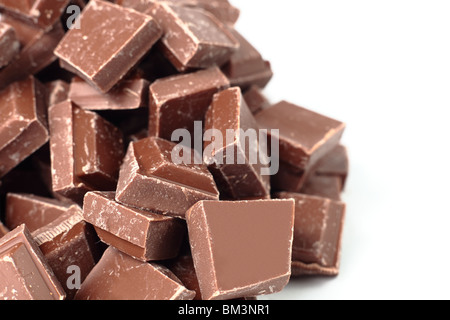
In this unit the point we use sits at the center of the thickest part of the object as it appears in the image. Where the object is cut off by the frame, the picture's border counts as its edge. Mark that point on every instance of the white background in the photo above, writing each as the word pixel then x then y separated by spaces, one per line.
pixel 383 67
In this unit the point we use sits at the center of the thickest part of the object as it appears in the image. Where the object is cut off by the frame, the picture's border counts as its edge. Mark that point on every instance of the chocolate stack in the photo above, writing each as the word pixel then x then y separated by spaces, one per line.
pixel 139 158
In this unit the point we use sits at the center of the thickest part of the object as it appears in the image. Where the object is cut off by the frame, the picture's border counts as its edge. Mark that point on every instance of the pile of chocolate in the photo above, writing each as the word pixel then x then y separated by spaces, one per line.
pixel 115 183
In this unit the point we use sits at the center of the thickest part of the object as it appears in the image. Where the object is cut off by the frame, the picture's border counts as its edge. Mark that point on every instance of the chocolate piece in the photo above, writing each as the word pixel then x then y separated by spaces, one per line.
pixel 68 242
pixel 237 163
pixel 241 248
pixel 128 94
pixel 221 9
pixel 103 53
pixel 58 91
pixel 25 275
pixel 3 230
pixel 255 100
pixel 192 38
pixel 246 66
pixel 176 102
pixel 150 180
pixel 33 211
pixel 36 52
pixel 334 163
pixel 9 45
pixel 323 186
pixel 183 268
pixel 86 151
pixel 23 122
pixel 304 136
pixel 42 13
pixel 144 235
pixel 118 276
pixel 317 234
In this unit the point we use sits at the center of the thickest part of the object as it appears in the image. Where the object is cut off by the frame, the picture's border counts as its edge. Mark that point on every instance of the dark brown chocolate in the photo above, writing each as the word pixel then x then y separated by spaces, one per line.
pixel 236 163
pixel 304 136
pixel 103 53
pixel 33 211
pixel 23 122
pixel 42 13
pixel 3 229
pixel 144 235
pixel 150 180
pixel 318 230
pixel 323 186
pixel 246 66
pixel 251 239
pixel 68 242
pixel 9 44
pixel 118 276
pixel 36 52
pixel 334 163
pixel 192 38
pixel 255 99
pixel 177 101
pixel 25 274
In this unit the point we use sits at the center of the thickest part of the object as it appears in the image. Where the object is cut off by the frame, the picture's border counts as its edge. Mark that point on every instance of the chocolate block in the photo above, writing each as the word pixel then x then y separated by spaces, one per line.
pixel 192 38
pixel 103 53
pixel 42 13
pixel 177 101
pixel 246 66
pixel 304 136
pixel 127 95
pixel 255 100
pixel 144 235
pixel 86 151
pixel 251 239
pixel 334 163
pixel 183 268
pixel 36 51
pixel 118 276
pixel 23 122
pixel 323 186
pixel 9 45
pixel 58 91
pixel 221 9
pixel 33 211
pixel 68 242
pixel 237 163
pixel 318 229
pixel 25 275
pixel 150 180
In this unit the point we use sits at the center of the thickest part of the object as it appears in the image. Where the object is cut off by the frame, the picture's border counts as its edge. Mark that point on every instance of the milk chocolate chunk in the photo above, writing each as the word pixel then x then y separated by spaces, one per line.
pixel 25 274
pixel 318 229
pixel 246 66
pixel 110 41
pixel 36 51
pixel 68 244
pixel 31 210
pixel 192 38
pixel 177 101
pixel 144 235
pixel 150 180
pixel 304 136
pixel 86 151
pixel 323 186
pixel 183 268
pixel 334 163
pixel 221 9
pixel 255 99
pixel 237 162
pixel 23 122
pixel 242 248
pixel 118 276
pixel 58 91
pixel 42 13
pixel 9 45
pixel 127 95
